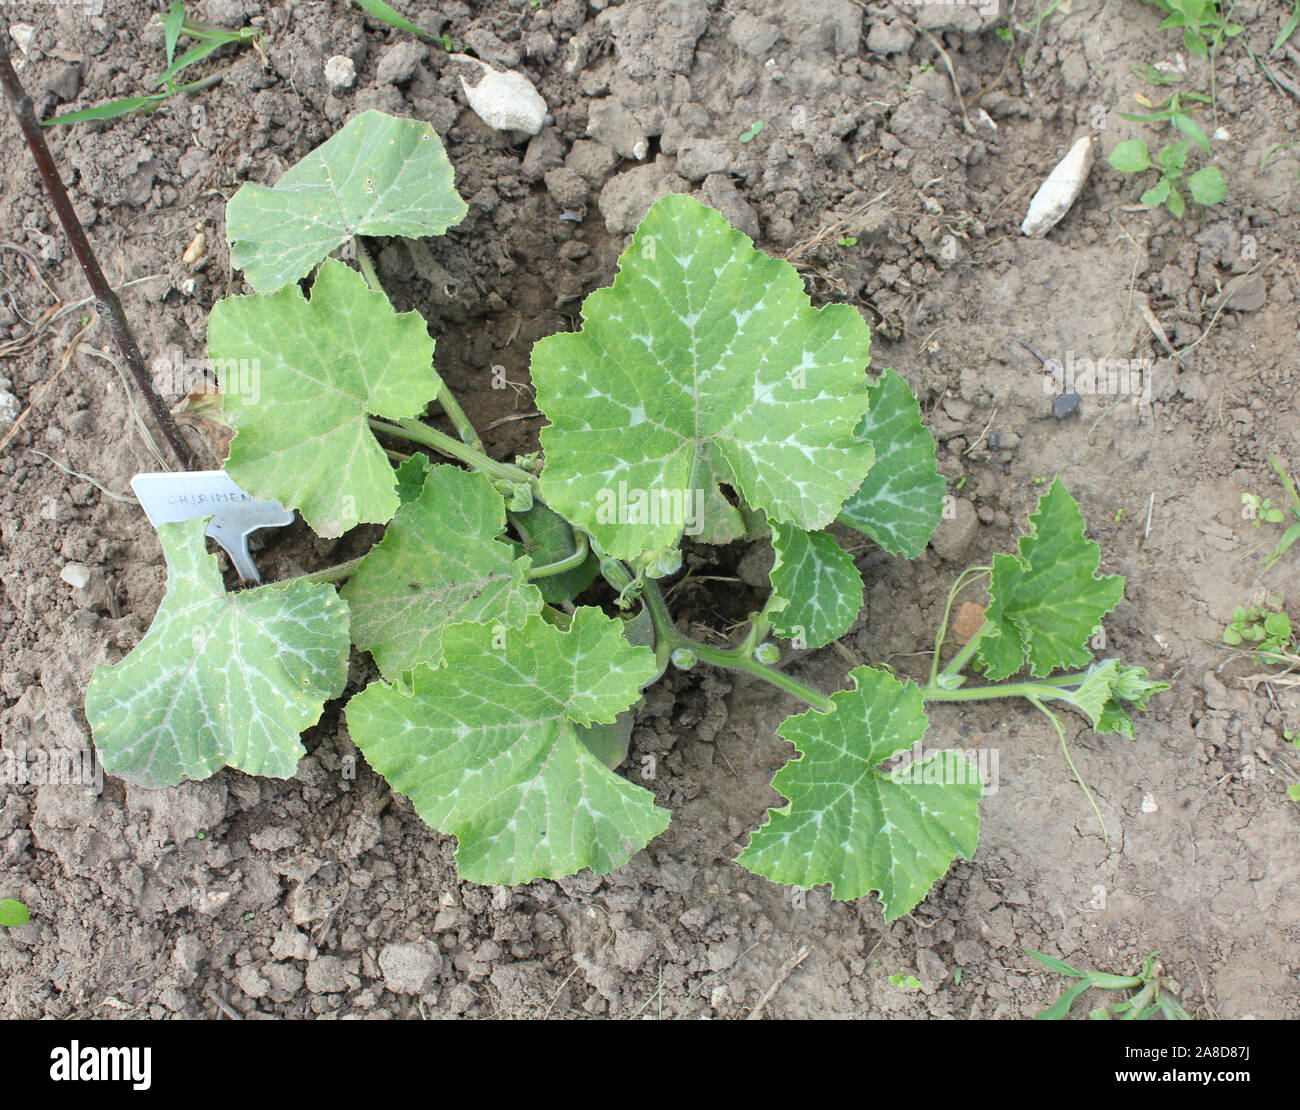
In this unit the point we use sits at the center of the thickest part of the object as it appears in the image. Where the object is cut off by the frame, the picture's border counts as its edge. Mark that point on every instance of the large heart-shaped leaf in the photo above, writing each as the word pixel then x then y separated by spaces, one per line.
pixel 486 746
pixel 703 363
pixel 379 175
pixel 849 823
pixel 219 679
pixel 439 564
pixel 321 368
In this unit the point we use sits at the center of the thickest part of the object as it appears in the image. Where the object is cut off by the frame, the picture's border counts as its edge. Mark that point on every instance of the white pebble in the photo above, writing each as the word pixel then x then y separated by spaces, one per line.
pixel 22 34
pixel 1149 803
pixel 76 575
pixel 10 408
pixel 506 101
pixel 1061 189
pixel 340 72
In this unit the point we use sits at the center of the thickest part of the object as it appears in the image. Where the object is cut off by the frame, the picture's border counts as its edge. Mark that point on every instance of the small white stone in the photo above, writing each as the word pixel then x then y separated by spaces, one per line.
pixel 1149 803
pixel 1058 193
pixel 22 34
pixel 340 72
pixel 76 575
pixel 506 101
pixel 10 408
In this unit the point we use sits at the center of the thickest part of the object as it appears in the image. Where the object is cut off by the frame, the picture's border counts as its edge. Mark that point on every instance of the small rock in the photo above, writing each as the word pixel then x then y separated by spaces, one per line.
pixel 720 192
pixel 408 968
pixel 723 954
pixel 292 944
pixel 697 158
pixel 632 948
pixel 22 34
pixel 226 13
pixel 327 975
pixel 76 575
pixel 954 535
pixel 1249 294
pixel 754 36
pixel 10 407
pixel 544 153
pixel 591 159
pixel 340 73
pixel 1149 803
pixel 610 122
pixel 248 980
pixel 756 566
pixel 398 63
pixel 890 38
pixel 506 101
pixel 187 956
pixel 626 198
pixel 1065 404
pixel 568 189
pixel 957 408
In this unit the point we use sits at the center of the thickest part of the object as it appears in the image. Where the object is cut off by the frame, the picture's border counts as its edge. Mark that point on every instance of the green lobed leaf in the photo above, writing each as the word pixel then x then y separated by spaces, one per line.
pixel 704 363
pixel 410 475
pixel 219 679
pixel 1047 602
pixel 818 587
pixel 379 175
pixel 486 747
pixel 439 564
pixel 900 503
pixel 323 367
pixel 848 823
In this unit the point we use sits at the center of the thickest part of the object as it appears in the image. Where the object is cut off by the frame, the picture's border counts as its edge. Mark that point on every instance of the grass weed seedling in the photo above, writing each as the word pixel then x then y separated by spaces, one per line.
pixel 705 398
pixel 1152 997
pixel 207 40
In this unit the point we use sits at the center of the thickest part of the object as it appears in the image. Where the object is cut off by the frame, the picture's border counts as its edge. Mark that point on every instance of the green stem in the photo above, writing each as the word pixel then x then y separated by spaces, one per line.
pixel 958 661
pixel 569 562
pixel 1037 688
pixel 330 574
pixel 453 448
pixel 669 639
pixel 957 587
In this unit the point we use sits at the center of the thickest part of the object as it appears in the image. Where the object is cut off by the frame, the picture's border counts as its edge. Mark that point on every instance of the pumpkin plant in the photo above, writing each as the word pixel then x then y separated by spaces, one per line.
pixel 703 398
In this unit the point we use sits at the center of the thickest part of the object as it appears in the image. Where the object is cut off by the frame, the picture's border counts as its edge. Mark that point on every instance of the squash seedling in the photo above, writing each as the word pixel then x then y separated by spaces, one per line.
pixel 703 398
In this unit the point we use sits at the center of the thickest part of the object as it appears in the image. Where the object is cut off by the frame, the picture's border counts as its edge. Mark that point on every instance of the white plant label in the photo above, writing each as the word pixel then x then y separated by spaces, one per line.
pixel 168 498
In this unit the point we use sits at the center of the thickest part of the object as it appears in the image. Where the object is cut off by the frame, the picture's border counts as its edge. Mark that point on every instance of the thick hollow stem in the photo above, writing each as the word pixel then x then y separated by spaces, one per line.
pixel 107 305
pixel 453 448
